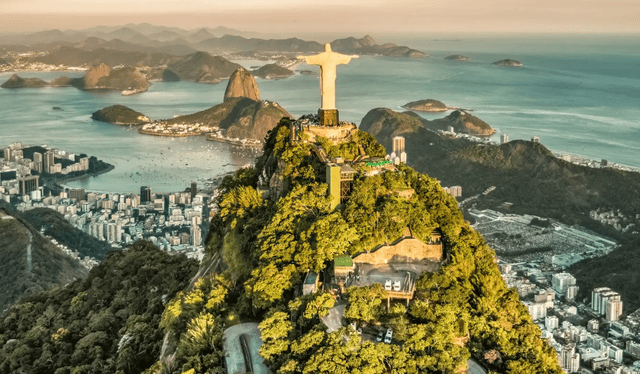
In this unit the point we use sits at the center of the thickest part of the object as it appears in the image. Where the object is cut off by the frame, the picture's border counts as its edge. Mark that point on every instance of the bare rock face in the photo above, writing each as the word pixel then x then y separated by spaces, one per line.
pixel 253 119
pixel 94 74
pixel 242 84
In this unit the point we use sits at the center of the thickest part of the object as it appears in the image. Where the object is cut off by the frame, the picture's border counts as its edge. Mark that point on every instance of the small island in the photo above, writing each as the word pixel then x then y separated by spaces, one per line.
pixel 508 63
pixel 129 80
pixel 120 115
pixel 272 71
pixel 457 58
pixel 428 105
pixel 17 82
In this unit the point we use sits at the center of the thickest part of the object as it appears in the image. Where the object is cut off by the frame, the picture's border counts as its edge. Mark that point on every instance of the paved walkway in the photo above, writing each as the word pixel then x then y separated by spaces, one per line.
pixel 475 368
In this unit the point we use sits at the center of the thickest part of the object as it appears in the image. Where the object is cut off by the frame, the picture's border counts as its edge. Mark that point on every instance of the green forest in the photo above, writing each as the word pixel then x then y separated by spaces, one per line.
pixel 105 323
pixel 464 310
pixel 137 311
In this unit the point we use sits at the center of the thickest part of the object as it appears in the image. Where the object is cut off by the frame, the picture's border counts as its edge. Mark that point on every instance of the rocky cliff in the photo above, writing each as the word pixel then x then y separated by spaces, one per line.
pixel 124 79
pixel 242 84
pixel 272 71
pixel 17 82
pixel 120 115
pixel 93 75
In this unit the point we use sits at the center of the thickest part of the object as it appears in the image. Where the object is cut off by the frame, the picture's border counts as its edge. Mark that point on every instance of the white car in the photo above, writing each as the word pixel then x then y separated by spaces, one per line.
pixel 387 285
pixel 388 336
pixel 397 285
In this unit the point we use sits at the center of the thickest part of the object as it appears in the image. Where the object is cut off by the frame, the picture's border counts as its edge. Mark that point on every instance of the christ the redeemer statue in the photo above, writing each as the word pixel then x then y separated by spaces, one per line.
pixel 328 60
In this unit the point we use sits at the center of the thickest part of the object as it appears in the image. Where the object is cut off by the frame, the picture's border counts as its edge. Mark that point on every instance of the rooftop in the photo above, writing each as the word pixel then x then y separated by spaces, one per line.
pixel 343 261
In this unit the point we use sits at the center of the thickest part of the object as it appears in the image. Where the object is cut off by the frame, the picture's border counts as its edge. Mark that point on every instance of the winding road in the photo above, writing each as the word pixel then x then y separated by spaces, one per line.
pixel 29 263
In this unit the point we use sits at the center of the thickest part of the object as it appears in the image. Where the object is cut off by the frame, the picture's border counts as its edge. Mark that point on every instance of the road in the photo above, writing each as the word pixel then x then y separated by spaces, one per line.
pixel 29 263
pixel 475 368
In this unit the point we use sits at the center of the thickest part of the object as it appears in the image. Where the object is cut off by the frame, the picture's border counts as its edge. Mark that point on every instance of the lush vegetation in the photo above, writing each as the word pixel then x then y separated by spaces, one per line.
pixel 59 228
pixel 139 300
pixel 617 270
pixel 460 311
pixel 106 323
pixel 49 268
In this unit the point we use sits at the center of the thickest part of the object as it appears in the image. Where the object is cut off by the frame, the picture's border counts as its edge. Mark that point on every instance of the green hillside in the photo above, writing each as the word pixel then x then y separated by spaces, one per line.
pixel 29 263
pixel 462 310
pixel 106 323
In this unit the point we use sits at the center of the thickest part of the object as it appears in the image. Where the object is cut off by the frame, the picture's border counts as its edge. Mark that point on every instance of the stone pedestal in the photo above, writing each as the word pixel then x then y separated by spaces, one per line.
pixel 328 117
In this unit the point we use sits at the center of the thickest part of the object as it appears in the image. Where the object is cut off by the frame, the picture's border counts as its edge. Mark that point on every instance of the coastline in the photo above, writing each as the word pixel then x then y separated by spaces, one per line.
pixel 245 143
pixel 88 175
pixel 171 135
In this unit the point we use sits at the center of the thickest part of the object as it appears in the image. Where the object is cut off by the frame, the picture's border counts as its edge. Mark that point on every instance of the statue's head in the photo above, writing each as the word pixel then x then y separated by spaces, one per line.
pixel 327 47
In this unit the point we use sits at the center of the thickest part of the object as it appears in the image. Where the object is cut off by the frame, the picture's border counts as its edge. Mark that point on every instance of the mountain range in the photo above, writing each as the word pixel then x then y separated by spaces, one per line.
pixel 146 38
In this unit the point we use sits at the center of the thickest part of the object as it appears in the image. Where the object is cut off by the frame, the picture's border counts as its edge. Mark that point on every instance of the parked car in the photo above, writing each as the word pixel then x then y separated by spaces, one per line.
pixel 388 336
pixel 397 285
pixel 387 285
pixel 380 336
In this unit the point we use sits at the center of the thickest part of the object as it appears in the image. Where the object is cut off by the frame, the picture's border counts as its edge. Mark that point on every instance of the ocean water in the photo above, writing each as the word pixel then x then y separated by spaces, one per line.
pixel 579 94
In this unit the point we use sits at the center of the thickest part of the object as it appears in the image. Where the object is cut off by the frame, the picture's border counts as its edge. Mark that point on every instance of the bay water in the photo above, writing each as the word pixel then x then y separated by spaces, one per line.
pixel 580 94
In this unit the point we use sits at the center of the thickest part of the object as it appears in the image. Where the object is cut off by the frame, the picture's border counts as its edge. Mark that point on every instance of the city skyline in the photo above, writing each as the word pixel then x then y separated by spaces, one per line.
pixel 331 16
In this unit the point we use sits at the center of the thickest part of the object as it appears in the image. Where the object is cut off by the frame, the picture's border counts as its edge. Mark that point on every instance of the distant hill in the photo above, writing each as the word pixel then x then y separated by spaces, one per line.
pixel 525 174
pixel 203 68
pixel 30 263
pixel 233 43
pixel 71 56
pixel 462 122
pixel 200 35
pixel 368 46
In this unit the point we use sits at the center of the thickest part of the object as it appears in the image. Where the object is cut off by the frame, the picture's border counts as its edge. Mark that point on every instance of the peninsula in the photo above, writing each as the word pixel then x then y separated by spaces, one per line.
pixel 242 119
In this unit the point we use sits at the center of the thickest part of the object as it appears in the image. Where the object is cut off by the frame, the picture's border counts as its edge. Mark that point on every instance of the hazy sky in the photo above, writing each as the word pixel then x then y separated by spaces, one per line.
pixel 363 16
